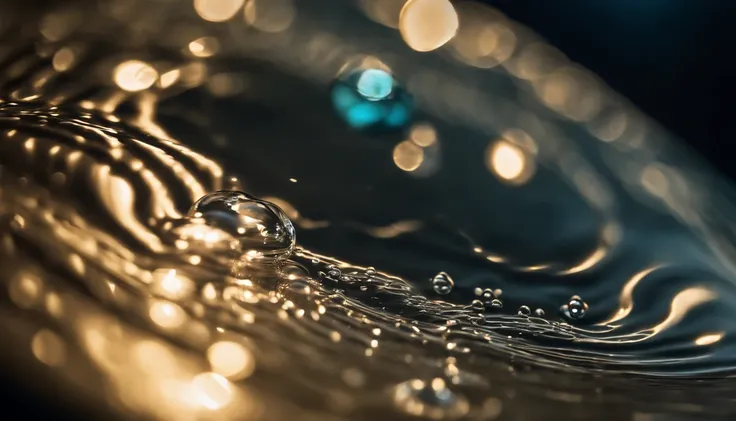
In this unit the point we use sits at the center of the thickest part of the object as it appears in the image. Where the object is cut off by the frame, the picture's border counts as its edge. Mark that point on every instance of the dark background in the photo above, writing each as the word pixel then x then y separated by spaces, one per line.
pixel 672 58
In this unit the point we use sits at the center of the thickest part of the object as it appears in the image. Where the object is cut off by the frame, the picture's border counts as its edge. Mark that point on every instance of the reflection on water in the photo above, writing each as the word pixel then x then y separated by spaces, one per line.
pixel 440 265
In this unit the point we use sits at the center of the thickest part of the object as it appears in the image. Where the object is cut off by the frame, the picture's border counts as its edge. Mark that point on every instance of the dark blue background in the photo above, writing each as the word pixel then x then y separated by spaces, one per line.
pixel 675 59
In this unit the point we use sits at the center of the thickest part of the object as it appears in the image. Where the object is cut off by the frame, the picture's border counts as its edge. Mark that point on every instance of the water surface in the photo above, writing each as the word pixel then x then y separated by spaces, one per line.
pixel 482 231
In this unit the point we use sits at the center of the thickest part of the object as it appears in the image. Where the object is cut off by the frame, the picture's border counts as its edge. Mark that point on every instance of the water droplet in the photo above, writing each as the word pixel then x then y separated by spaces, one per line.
pixel 300 287
pixel 487 294
pixel 477 305
pixel 539 312
pixel 370 271
pixel 442 283
pixel 234 222
pixel 575 309
pixel 524 311
pixel 294 272
pixel 496 303
pixel 369 97
pixel 478 291
pixel 430 399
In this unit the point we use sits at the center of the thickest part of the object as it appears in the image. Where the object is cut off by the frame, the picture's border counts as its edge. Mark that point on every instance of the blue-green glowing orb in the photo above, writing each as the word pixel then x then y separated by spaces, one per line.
pixel 375 84
pixel 371 99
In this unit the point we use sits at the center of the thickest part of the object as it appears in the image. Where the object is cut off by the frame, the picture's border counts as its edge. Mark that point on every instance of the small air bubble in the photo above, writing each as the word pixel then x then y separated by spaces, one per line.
pixel 575 309
pixel 477 305
pixel 442 283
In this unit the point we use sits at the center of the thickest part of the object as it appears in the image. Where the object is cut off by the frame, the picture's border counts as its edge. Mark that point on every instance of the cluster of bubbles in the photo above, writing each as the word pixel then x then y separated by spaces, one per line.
pixel 248 229
pixel 443 284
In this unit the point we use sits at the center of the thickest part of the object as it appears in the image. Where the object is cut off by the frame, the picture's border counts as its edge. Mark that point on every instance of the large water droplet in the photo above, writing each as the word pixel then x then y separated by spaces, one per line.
pixel 442 283
pixel 430 399
pixel 369 97
pixel 236 222
pixel 575 309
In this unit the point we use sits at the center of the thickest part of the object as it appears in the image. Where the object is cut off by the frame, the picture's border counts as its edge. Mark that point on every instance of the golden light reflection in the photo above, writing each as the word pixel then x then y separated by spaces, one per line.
pixel 427 25
pixel 225 84
pixel 154 358
pixel 396 229
pixel 509 162
pixel 536 60
pixel 295 216
pixel 134 75
pixel 485 38
pixel 654 180
pixel 118 196
pixel 570 91
pixel 709 339
pixel 407 397
pixel 63 60
pixel 521 139
pixel 209 292
pixel 626 298
pixel 193 74
pixel 212 391
pixel 169 78
pixel 231 359
pixel 166 314
pixel 54 305
pixel 270 15
pixel 171 284
pixel 683 302
pixel 204 47
pixel 408 156
pixel 217 10
pixel 57 25
pixel 25 290
pixel 593 259
pixel 152 377
pixel 680 305
pixel 423 135
pixel 610 128
pixel 205 235
pixel 48 348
